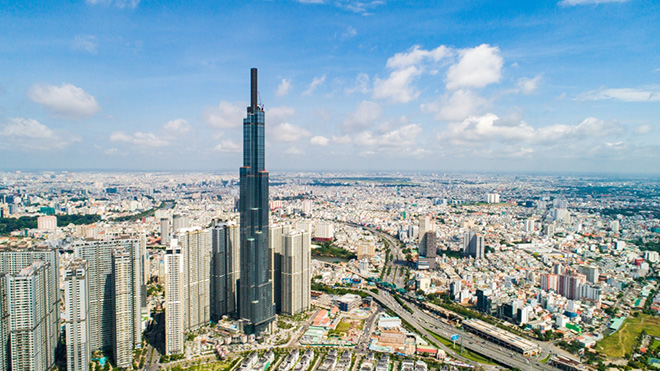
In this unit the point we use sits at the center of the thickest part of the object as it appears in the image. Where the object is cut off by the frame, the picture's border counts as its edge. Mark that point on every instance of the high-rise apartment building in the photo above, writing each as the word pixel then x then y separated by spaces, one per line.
pixel 165 231
pixel 428 246
pixel 4 324
pixel 256 305
pixel 174 299
pixel 195 246
pixel 225 269
pixel 473 245
pixel 276 240
pixel 76 302
pixel 123 276
pixel 47 223
pixel 29 319
pixel 105 258
pixel 549 281
pixel 296 279
pixel 15 259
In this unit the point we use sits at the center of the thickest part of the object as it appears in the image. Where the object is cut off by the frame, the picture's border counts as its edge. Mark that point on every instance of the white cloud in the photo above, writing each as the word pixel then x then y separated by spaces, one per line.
pixel 139 139
pixel 33 135
pixel 66 101
pixel 85 43
pixel 487 131
pixel 279 115
pixel 643 129
pixel 476 68
pixel 283 88
pixel 363 7
pixel 361 84
pixel 319 141
pixel 400 138
pixel 455 106
pixel 364 116
pixel 314 84
pixel 286 132
pixel 132 4
pixel 406 67
pixel 415 56
pixel 397 86
pixel 294 151
pixel 623 94
pixel 177 127
pixel 227 146
pixel 528 85
pixel 584 2
pixel 344 139
pixel 349 33
pixel 225 115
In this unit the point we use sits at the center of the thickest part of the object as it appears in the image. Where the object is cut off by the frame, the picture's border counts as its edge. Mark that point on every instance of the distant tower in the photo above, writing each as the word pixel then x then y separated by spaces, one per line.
pixel 473 245
pixel 165 231
pixel 76 298
pixel 256 290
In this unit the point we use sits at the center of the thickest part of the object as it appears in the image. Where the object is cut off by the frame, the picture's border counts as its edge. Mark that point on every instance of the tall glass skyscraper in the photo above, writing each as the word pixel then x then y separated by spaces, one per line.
pixel 256 304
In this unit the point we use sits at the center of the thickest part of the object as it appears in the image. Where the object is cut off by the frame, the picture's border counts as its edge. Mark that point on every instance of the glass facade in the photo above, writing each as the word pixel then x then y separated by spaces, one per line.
pixel 255 286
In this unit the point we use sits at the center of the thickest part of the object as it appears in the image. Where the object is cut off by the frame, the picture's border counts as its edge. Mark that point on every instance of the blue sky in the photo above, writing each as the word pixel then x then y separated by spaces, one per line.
pixel 517 86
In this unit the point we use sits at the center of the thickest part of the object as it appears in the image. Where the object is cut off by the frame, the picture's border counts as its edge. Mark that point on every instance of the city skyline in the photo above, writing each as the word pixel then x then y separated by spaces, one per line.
pixel 561 86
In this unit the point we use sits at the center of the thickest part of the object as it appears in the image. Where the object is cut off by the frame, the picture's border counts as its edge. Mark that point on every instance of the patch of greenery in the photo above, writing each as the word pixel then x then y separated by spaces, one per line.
pixel 330 250
pixel 622 342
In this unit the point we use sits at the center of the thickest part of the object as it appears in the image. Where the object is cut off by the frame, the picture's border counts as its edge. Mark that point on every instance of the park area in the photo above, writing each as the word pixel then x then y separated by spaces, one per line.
pixel 622 341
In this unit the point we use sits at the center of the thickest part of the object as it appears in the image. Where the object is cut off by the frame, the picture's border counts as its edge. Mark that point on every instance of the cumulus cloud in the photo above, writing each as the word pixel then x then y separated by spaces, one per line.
pixel 476 68
pixel 488 135
pixel 403 138
pixel 33 135
pixel 319 141
pixel 397 86
pixel 227 146
pixel 178 126
pixel 314 84
pixel 528 85
pixel 344 139
pixel 85 43
pixel 455 106
pixel 622 94
pixel 364 116
pixel 294 151
pixel 280 114
pixel 585 2
pixel 169 133
pixel 643 129
pixel 225 115
pixel 406 67
pixel 283 88
pixel 132 4
pixel 65 101
pixel 286 132
pixel 139 139
pixel 361 84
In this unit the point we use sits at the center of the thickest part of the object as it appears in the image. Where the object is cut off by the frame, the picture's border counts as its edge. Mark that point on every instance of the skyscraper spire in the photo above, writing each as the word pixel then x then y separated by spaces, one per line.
pixel 256 304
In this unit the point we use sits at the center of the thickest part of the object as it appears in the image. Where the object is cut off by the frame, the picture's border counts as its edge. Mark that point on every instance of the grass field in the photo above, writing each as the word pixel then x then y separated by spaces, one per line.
pixel 622 341
pixel 467 353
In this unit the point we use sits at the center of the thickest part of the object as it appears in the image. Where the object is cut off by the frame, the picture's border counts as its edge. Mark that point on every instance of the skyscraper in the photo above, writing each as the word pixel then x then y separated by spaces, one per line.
pixel 195 246
pixel 14 259
pixel 102 289
pixel 174 303
pixel 76 299
pixel 296 279
pixel 4 324
pixel 256 291
pixel 225 269
pixel 123 273
pixel 276 240
pixel 29 318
